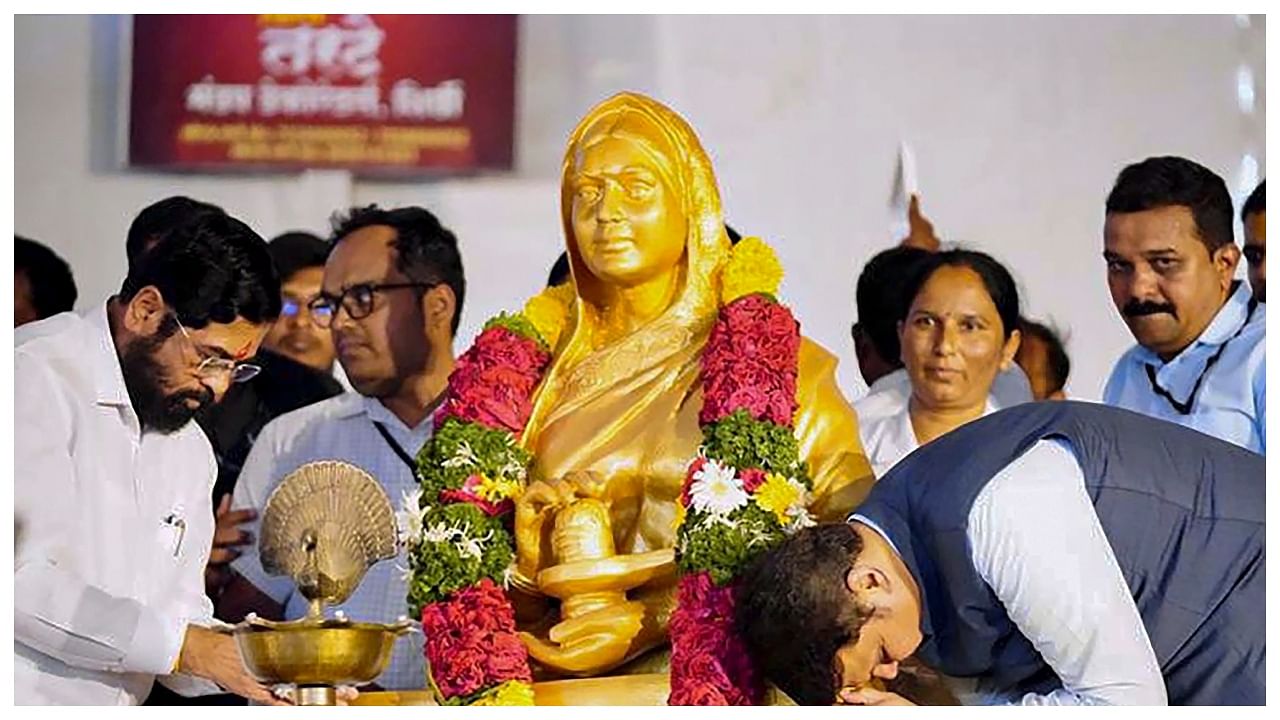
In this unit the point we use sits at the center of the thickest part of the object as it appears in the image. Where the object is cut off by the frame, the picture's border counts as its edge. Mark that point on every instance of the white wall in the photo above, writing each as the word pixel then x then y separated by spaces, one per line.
pixel 1019 127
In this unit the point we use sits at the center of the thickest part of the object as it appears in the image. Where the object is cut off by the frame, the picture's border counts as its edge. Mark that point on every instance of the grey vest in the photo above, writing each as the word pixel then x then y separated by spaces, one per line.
pixel 1185 514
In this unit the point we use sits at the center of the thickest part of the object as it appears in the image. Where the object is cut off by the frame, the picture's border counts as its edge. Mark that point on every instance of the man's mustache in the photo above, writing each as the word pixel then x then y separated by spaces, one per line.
pixel 1135 308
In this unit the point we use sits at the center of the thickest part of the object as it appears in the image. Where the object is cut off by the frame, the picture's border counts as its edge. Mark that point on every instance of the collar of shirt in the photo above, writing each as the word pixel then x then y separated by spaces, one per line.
pixel 891 437
pixel 108 377
pixel 1232 314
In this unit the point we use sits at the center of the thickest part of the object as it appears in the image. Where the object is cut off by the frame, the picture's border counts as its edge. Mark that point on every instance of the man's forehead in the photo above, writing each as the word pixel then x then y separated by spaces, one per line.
pixel 239 339
pixel 366 255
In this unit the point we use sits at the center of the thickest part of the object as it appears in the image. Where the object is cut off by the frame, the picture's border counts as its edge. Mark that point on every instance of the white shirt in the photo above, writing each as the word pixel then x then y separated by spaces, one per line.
pixel 1036 540
pixel 340 428
pixel 886 431
pixel 1232 401
pixel 889 394
pixel 106 579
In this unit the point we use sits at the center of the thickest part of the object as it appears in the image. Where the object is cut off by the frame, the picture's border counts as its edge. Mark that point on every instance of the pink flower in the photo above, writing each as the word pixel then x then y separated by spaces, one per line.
pixel 752 478
pixel 696 694
pixel 471 641
pixel 750 362
pixel 694 467
pixel 493 382
pixel 709 661
pixel 467 494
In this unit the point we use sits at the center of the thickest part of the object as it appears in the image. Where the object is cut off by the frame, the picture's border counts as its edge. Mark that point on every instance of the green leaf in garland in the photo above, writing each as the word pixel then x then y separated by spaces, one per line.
pixel 461 545
pixel 459 449
pixel 724 546
pixel 518 324
pixel 742 441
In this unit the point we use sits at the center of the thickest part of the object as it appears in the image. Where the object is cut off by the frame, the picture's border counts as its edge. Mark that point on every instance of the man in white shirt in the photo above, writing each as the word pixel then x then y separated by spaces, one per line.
pixel 112 479
pixel 392 297
pixel 1200 358
pixel 1056 553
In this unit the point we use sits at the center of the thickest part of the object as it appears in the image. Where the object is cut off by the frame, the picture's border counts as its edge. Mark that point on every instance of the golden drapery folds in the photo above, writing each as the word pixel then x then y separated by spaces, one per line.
pixel 616 416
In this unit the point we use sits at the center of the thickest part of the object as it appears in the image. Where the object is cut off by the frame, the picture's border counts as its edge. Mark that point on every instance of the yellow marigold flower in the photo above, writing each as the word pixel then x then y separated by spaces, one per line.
pixel 777 493
pixel 678 520
pixel 496 490
pixel 512 692
pixel 549 311
pixel 753 267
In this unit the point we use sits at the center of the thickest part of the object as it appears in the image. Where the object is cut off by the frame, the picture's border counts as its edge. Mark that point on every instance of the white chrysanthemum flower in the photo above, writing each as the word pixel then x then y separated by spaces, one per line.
pixel 716 490
pixel 799 518
pixel 409 517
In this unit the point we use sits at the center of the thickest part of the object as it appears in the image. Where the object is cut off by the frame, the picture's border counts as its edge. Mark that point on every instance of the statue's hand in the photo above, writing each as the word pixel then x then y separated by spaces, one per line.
pixel 536 509
pixel 591 643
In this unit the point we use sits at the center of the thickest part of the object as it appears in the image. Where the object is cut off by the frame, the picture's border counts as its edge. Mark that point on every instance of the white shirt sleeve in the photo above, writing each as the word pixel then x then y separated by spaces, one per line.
pixel 257 478
pixel 55 611
pixel 1037 542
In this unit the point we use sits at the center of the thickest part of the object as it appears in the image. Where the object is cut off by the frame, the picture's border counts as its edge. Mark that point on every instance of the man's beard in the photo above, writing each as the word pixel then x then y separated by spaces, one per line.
pixel 142 377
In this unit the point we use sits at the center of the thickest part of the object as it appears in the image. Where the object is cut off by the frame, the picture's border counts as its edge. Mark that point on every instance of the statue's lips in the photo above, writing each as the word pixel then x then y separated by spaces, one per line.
pixel 615 245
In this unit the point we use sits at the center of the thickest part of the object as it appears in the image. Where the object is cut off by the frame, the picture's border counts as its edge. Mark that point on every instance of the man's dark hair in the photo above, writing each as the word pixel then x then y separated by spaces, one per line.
pixel 426 251
pixel 53 288
pixel 1257 202
pixel 294 251
pixel 1059 362
pixel 995 278
pixel 880 302
pixel 794 610
pixel 1159 182
pixel 158 220
pixel 213 269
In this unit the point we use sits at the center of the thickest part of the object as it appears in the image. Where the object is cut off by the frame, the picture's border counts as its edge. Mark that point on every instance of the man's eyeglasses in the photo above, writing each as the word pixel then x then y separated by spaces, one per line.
pixel 213 366
pixel 357 300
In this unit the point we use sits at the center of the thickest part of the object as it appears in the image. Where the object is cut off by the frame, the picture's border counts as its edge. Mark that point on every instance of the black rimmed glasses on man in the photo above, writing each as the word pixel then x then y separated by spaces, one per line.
pixel 357 300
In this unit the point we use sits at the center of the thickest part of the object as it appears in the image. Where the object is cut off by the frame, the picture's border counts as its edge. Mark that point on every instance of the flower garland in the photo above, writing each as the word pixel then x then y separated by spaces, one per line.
pixel 743 493
pixel 457 527
pixel 748 487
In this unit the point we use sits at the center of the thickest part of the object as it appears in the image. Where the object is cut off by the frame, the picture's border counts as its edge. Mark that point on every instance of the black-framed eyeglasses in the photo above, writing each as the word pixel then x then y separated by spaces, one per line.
pixel 357 300
pixel 213 366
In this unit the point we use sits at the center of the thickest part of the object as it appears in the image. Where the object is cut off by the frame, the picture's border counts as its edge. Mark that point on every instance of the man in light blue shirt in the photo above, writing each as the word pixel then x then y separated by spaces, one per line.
pixel 392 295
pixel 1200 358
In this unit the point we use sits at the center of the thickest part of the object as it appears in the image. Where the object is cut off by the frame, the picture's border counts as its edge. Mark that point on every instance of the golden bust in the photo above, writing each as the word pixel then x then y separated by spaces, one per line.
pixel 615 420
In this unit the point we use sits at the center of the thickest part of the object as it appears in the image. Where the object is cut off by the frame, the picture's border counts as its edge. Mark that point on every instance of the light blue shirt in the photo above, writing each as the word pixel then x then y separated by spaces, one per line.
pixel 340 428
pixel 1232 401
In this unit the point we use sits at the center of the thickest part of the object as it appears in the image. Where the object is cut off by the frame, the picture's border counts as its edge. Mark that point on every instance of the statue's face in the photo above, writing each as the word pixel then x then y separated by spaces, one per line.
pixel 627 221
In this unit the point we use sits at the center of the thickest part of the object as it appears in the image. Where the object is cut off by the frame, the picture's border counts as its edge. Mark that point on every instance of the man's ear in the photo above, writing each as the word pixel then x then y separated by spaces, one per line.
pixel 145 312
pixel 866 582
pixel 438 306
pixel 1225 259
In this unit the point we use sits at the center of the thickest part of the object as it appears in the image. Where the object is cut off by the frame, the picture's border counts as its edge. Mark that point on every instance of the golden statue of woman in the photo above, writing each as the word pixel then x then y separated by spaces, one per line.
pixel 615 421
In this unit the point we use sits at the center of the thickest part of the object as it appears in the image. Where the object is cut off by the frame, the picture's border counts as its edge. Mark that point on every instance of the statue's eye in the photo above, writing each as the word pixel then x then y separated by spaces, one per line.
pixel 588 193
pixel 639 190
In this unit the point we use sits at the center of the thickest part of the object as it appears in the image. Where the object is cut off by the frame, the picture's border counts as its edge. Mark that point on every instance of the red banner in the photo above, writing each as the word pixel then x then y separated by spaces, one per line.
pixel 366 92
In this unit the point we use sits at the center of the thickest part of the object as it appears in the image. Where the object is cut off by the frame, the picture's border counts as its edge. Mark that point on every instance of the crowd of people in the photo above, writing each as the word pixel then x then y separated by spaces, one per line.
pixel 238 360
